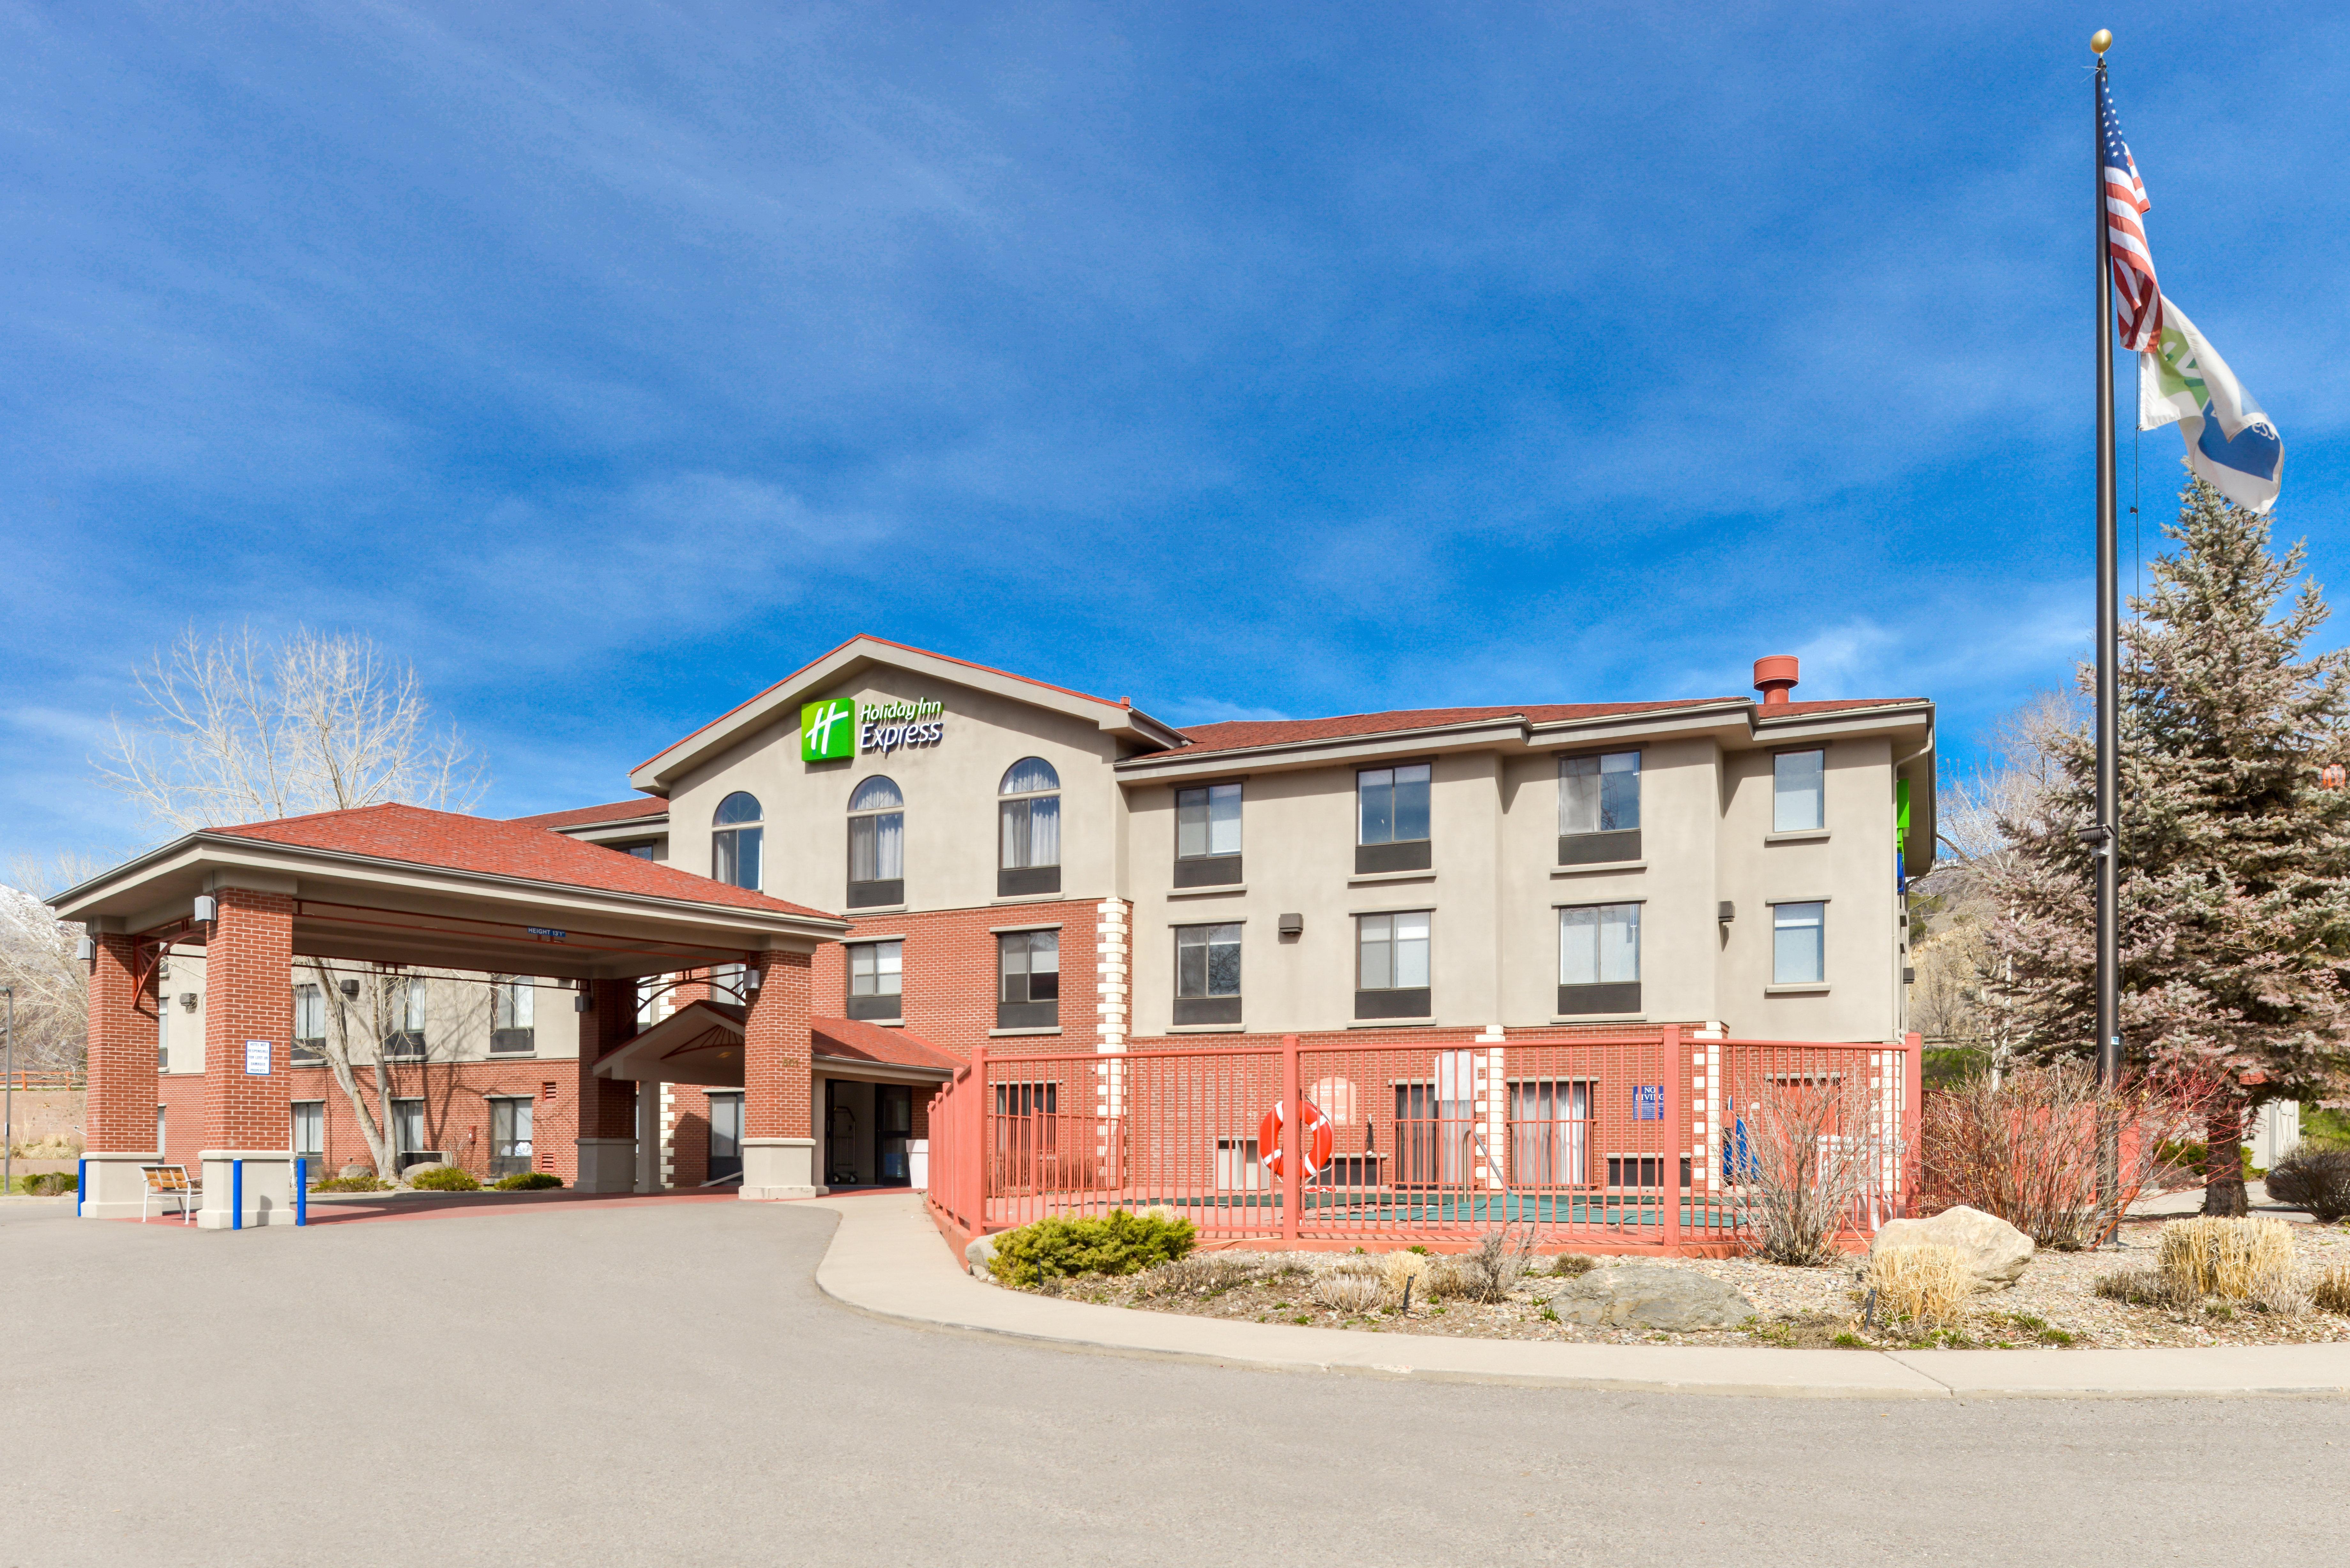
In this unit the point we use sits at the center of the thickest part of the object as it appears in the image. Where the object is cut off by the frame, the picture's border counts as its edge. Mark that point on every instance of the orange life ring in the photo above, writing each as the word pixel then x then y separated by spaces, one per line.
pixel 1317 1138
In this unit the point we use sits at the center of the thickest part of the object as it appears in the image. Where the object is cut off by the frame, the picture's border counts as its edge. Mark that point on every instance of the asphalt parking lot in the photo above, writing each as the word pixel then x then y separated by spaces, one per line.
pixel 663 1383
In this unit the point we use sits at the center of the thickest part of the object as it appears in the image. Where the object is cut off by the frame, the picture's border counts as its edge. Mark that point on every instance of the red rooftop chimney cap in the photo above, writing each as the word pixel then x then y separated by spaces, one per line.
pixel 1775 677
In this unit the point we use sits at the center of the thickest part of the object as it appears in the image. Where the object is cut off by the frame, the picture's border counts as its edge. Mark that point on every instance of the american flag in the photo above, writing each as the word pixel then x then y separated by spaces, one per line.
pixel 2137 299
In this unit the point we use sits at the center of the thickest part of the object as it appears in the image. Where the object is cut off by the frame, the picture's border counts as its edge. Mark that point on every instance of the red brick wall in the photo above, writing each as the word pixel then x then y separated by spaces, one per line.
pixel 121 1105
pixel 456 1111
pixel 950 974
pixel 689 1139
pixel 248 995
pixel 776 1069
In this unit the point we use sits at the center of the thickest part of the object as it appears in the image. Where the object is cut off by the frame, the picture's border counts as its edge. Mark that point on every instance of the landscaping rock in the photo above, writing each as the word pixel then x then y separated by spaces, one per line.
pixel 355 1168
pixel 1645 1295
pixel 978 1256
pixel 1995 1251
pixel 410 1172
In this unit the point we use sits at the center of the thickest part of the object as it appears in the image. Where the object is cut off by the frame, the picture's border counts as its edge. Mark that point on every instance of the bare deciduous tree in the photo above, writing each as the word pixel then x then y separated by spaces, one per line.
pixel 37 963
pixel 241 728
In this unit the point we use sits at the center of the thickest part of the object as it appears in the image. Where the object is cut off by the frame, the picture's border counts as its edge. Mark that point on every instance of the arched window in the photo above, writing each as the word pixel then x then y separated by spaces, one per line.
pixel 1030 818
pixel 876 845
pixel 735 842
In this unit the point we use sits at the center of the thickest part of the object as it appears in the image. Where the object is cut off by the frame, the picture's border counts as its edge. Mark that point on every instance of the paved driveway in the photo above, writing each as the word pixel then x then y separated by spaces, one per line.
pixel 664 1383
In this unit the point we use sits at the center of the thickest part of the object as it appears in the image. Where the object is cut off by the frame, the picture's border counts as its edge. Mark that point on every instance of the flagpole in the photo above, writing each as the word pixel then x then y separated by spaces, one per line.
pixel 2106 837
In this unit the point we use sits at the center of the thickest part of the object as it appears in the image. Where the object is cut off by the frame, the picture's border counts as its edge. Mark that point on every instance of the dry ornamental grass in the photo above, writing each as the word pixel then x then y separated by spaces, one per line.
pixel 1927 1285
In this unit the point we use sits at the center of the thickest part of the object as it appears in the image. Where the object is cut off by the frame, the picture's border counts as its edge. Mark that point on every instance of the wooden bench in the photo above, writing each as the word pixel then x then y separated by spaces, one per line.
pixel 165 1183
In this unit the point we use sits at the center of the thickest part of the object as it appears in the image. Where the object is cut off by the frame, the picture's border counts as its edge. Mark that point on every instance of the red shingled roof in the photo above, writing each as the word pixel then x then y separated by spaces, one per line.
pixel 871 1042
pixel 1244 733
pixel 587 815
pixel 451 841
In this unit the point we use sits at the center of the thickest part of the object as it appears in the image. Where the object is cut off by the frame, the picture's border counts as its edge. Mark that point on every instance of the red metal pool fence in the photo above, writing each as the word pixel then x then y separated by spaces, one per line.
pixel 1633 1141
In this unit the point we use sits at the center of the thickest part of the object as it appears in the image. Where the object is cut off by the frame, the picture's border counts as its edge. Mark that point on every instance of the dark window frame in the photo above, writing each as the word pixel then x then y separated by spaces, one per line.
pixel 1026 1010
pixel 1206 1004
pixel 875 1005
pixel 1393 1001
pixel 876 892
pixel 1393 853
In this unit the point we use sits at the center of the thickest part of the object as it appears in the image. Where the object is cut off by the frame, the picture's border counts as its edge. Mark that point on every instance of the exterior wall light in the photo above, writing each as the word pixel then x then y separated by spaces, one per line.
pixel 1292 925
pixel 583 1003
pixel 350 989
pixel 750 977
pixel 187 1002
pixel 207 909
pixel 1729 912
pixel 86 951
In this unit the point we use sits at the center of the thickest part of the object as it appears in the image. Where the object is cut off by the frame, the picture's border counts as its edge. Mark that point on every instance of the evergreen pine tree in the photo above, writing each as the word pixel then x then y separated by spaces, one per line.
pixel 2234 859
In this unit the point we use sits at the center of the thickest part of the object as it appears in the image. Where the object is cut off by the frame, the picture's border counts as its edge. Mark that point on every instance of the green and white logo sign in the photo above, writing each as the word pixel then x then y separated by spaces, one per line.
pixel 828 730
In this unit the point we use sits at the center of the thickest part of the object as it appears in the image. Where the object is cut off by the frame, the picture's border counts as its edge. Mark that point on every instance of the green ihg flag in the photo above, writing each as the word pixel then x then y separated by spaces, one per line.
pixel 2230 442
pixel 828 730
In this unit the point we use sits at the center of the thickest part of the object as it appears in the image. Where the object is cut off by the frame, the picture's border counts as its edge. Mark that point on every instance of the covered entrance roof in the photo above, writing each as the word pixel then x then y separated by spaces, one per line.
pixel 401 885
pixel 702 1042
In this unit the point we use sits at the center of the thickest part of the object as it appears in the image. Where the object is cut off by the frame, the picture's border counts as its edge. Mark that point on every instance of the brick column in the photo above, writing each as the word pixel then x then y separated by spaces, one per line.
pixel 778 1138
pixel 118 1118
pixel 607 1108
pixel 248 1038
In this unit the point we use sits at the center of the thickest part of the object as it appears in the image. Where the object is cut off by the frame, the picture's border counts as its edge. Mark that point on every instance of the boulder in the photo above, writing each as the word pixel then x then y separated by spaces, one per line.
pixel 1995 1251
pixel 355 1168
pixel 978 1256
pixel 1645 1295
pixel 409 1173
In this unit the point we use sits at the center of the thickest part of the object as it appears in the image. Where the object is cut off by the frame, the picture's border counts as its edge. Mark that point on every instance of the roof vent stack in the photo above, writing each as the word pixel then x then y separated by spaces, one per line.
pixel 1775 677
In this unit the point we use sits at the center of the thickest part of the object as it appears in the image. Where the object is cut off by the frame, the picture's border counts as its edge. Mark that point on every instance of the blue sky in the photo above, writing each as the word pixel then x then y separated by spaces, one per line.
pixel 609 362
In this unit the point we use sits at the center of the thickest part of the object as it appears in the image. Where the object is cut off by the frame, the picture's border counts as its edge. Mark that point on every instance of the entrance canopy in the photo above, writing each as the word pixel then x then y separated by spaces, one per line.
pixel 404 886
pixel 702 1042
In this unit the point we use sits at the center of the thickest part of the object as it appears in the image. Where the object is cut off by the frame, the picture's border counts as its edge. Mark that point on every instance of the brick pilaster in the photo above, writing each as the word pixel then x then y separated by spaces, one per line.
pixel 248 995
pixel 775 1046
pixel 607 1108
pixel 120 1117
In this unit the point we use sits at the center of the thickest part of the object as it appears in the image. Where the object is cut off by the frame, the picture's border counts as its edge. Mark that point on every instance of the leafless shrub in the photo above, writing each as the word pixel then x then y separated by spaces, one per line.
pixel 1573 1265
pixel 1494 1270
pixel 2026 1148
pixel 2315 1179
pixel 1806 1147
pixel 1446 1280
pixel 1350 1286
pixel 1927 1284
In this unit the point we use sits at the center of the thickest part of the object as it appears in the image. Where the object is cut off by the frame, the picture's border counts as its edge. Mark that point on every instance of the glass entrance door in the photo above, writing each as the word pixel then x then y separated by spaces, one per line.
pixel 893 1119
pixel 725 1136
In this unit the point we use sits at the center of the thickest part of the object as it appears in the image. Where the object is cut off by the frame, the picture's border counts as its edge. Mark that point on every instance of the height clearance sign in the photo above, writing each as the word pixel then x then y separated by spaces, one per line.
pixel 839 728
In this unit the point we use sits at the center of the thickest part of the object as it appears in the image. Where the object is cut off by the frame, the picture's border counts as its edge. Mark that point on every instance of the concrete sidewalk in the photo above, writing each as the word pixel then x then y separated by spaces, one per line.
pixel 887 1259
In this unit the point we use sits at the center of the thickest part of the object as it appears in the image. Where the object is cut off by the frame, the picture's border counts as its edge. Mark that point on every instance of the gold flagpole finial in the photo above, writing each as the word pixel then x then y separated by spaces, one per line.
pixel 2101 40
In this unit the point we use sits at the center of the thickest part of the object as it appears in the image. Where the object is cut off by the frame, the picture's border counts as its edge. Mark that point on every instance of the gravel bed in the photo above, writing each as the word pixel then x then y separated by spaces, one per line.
pixel 2053 1306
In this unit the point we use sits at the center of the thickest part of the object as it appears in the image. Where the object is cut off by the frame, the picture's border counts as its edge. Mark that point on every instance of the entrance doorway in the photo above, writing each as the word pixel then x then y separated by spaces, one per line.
pixel 725 1136
pixel 868 1131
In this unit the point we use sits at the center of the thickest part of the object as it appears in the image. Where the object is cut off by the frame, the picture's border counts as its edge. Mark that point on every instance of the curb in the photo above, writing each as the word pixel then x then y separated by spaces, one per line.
pixel 885 1260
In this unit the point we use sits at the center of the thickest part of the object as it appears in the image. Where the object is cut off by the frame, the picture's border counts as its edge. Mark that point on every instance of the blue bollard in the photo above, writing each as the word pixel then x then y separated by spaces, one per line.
pixel 237 1195
pixel 81 1185
pixel 301 1192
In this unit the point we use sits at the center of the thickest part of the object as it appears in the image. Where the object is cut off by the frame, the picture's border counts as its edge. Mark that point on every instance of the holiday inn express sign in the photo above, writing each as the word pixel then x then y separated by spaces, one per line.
pixel 839 728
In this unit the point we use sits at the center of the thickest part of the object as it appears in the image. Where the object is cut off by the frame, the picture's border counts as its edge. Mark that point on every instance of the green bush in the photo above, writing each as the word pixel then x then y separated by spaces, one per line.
pixel 48 1183
pixel 448 1178
pixel 1115 1243
pixel 528 1181
pixel 352 1184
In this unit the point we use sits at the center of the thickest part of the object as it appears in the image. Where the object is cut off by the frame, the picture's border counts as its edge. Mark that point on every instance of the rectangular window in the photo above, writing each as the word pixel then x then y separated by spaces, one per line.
pixel 876 859
pixel 1392 819
pixel 1207 974
pixel 1207 835
pixel 163 1034
pixel 876 980
pixel 513 1009
pixel 1027 1137
pixel 310 1133
pixel 406 1002
pixel 1436 1125
pixel 1550 1126
pixel 510 1145
pixel 408 1127
pixel 1798 944
pixel 1391 965
pixel 1028 965
pixel 725 1136
pixel 1798 792
pixel 162 1149
pixel 1238 1169
pixel 1599 958
pixel 1031 832
pixel 1599 808
pixel 310 1026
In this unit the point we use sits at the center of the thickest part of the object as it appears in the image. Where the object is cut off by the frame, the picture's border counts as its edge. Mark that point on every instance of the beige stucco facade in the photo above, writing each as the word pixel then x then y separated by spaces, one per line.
pixel 1493 886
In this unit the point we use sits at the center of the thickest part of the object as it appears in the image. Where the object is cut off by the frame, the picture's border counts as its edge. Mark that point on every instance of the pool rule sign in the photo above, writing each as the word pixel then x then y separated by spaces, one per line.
pixel 256 1058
